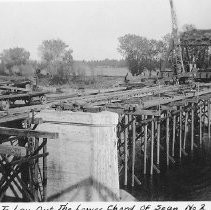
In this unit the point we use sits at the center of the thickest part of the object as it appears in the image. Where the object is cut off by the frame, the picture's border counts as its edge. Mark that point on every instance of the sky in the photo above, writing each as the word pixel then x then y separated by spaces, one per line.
pixel 91 28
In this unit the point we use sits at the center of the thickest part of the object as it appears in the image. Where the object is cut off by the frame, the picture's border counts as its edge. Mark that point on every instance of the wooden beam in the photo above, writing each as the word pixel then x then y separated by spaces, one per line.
pixel 27 133
pixel 13 88
pixel 10 118
pixel 144 112
pixel 160 101
pixel 168 108
pixel 136 112
pixel 12 150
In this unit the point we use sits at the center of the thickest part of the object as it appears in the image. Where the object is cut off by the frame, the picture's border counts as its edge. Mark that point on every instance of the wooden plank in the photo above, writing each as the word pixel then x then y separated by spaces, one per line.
pixel 208 117
pixel 180 133
pixel 167 139
pixel 157 102
pixel 186 130
pixel 191 100
pixel 174 134
pixel 22 96
pixel 36 181
pixel 13 88
pixel 146 112
pixel 145 147
pixel 136 112
pixel 192 127
pixel 158 142
pixel 27 133
pixel 126 150
pixel 10 118
pixel 103 99
pixel 133 150
pixel 152 147
pixel 45 171
pixel 200 125
pixel 12 150
pixel 166 107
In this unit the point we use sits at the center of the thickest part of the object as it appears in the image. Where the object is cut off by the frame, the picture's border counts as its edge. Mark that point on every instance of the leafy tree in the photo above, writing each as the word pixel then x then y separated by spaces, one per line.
pixel 14 57
pixel 188 27
pixel 57 59
pixel 140 52
pixel 52 50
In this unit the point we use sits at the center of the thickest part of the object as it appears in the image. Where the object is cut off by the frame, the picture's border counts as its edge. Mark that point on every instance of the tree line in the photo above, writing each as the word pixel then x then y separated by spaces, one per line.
pixel 107 63
pixel 141 53
pixel 57 61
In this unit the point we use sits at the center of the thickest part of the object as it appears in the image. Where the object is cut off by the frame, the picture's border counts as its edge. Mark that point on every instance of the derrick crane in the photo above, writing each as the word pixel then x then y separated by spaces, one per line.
pixel 174 45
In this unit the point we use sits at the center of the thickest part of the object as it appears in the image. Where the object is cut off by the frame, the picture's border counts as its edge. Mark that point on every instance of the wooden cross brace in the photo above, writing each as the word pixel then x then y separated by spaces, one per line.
pixel 11 169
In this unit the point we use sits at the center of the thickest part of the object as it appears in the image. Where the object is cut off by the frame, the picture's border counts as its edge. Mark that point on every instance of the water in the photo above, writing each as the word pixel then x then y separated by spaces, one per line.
pixel 190 180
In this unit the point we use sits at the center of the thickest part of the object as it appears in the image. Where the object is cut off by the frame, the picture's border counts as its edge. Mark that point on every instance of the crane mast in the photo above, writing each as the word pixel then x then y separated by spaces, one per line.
pixel 174 45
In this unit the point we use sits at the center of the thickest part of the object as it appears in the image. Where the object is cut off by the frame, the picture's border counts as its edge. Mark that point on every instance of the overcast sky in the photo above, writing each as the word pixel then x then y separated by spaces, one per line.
pixel 92 28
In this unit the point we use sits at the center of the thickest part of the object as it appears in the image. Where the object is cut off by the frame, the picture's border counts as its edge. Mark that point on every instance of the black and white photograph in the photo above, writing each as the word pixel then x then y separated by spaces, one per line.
pixel 105 101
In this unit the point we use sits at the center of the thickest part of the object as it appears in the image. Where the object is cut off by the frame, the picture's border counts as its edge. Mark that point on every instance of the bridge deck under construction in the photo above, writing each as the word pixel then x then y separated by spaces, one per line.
pixel 159 125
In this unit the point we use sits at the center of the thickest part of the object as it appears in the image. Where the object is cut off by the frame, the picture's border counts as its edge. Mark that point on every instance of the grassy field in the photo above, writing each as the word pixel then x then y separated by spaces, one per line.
pixel 111 71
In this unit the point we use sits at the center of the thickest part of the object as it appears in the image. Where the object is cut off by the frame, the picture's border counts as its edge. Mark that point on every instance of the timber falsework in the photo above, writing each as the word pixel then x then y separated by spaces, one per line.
pixel 160 124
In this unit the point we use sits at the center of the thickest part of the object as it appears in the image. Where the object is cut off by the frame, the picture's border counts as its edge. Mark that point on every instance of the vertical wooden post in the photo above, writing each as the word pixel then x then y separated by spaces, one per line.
pixel 200 124
pixel 145 146
pixel 125 148
pixel 133 149
pixel 45 172
pixel 192 126
pixel 180 132
pixel 31 170
pixel 158 141
pixel 167 138
pixel 203 117
pixel 186 130
pixel 129 121
pixel 174 134
pixel 152 145
pixel 208 117
pixel 36 171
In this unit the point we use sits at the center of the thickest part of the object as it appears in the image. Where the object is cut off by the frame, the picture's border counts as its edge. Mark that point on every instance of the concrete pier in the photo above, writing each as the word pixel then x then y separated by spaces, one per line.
pixel 82 163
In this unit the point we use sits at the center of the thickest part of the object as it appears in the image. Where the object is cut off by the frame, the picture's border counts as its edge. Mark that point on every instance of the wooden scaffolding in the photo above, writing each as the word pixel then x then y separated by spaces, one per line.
pixel 23 159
